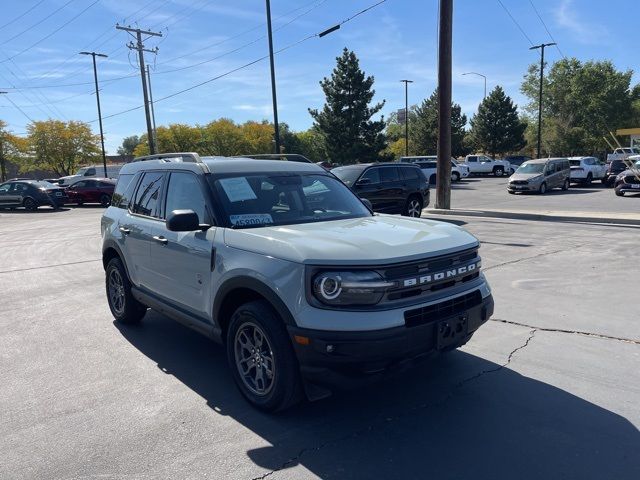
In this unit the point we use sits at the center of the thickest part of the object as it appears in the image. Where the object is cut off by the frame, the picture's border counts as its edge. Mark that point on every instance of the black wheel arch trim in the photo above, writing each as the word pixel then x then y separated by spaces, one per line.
pixel 250 283
pixel 111 244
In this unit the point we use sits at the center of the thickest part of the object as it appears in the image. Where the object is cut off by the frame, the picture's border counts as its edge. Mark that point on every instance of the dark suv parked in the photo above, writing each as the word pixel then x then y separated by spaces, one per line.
pixel 613 169
pixel 31 194
pixel 390 187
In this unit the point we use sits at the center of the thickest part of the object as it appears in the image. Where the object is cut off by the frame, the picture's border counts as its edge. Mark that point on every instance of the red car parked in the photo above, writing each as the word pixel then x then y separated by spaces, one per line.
pixel 95 190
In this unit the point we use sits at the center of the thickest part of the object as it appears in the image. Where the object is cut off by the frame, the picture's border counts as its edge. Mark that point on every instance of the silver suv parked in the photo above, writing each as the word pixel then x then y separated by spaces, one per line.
pixel 286 267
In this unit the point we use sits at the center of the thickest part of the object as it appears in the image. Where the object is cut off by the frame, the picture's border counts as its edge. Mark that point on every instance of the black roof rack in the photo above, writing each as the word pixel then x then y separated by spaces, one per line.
pixel 172 157
pixel 291 157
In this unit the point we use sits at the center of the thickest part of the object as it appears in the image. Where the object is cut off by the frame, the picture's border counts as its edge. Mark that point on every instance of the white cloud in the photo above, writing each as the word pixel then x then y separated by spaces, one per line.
pixel 567 16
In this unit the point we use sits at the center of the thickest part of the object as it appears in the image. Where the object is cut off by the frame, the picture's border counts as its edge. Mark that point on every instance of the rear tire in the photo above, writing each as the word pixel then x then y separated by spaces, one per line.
pixel 543 188
pixel 565 185
pixel 413 208
pixel 498 171
pixel 588 180
pixel 124 308
pixel 432 179
pixel 261 358
pixel 619 193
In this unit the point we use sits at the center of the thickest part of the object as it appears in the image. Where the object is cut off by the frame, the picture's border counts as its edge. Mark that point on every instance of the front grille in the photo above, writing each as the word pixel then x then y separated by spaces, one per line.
pixel 631 179
pixel 442 310
pixel 519 182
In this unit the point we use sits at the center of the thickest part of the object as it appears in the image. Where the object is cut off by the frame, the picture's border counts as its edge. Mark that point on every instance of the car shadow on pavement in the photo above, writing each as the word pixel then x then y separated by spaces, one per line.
pixel 456 416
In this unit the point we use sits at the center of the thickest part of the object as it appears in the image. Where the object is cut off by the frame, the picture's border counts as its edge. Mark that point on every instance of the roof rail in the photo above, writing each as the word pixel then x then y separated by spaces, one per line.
pixel 291 157
pixel 172 157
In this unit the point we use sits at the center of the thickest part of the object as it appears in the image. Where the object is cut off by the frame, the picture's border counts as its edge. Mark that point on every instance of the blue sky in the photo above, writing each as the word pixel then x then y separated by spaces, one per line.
pixel 395 40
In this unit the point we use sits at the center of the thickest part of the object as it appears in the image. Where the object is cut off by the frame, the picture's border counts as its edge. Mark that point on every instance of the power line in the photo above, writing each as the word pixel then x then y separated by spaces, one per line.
pixel 22 14
pixel 37 23
pixel 241 67
pixel 52 33
pixel 514 21
pixel 19 109
pixel 545 27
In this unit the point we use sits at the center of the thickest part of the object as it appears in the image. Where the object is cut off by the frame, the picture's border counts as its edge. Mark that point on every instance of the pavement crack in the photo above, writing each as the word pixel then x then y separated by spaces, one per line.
pixel 563 330
pixel 49 266
pixel 423 406
pixel 518 260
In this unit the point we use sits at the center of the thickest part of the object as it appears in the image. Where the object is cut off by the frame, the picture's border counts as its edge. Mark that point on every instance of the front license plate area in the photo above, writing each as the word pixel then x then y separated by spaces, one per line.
pixel 451 331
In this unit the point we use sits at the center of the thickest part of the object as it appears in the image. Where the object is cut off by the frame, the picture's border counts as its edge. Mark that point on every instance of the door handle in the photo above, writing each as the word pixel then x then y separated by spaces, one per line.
pixel 161 240
pixel 124 230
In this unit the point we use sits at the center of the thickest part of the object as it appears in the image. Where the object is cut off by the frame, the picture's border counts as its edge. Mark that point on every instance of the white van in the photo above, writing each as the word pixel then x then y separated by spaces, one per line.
pixel 92 171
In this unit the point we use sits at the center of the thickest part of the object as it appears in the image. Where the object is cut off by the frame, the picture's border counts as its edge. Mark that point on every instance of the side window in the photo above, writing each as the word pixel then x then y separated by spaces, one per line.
pixel 551 168
pixel 124 191
pixel 148 194
pixel 80 184
pixel 373 174
pixel 389 174
pixel 185 192
pixel 91 172
pixel 19 187
pixel 410 173
pixel 472 159
pixel 5 188
pixel 91 183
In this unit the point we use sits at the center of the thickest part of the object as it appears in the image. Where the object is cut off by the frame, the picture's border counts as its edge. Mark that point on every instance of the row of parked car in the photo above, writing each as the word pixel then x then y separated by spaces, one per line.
pixel 32 194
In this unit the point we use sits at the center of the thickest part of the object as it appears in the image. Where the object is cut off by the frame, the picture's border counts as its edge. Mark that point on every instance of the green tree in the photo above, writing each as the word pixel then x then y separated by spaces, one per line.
pixel 350 135
pixel 9 149
pixel 496 128
pixel 60 147
pixel 423 128
pixel 582 102
pixel 129 144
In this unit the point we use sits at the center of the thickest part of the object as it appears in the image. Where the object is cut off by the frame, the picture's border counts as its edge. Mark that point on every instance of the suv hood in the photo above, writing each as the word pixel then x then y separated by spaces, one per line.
pixel 380 239
pixel 524 176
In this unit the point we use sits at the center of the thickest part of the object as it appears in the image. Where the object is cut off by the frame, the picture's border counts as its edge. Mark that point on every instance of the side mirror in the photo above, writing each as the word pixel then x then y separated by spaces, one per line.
pixel 183 221
pixel 367 203
pixel 363 181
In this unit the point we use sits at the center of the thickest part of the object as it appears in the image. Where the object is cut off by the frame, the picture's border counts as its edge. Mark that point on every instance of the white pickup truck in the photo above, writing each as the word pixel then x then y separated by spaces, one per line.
pixel 622 153
pixel 483 164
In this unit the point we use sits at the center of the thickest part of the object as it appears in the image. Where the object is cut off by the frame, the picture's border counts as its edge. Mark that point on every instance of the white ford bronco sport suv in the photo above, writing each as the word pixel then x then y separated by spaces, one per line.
pixel 280 262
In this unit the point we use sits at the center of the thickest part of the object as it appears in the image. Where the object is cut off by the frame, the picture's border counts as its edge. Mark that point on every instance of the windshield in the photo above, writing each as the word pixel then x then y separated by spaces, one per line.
pixel 251 201
pixel 348 175
pixel 574 163
pixel 531 168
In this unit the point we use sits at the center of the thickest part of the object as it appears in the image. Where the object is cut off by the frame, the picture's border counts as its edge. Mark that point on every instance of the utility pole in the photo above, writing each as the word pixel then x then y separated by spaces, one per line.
pixel 95 77
pixel 406 115
pixel 485 81
pixel 153 113
pixel 541 47
pixel 443 173
pixel 139 46
pixel 273 79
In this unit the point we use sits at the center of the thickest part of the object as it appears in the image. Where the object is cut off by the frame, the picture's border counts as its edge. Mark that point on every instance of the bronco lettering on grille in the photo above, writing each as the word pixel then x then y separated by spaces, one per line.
pixel 443 275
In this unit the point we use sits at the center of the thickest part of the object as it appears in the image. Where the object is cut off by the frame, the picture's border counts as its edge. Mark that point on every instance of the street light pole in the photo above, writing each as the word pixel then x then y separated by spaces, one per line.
pixel 95 77
pixel 485 81
pixel 273 79
pixel 541 47
pixel 406 115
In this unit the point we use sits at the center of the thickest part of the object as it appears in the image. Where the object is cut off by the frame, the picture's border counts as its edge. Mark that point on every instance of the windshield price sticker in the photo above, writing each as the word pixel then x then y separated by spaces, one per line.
pixel 237 189
pixel 250 219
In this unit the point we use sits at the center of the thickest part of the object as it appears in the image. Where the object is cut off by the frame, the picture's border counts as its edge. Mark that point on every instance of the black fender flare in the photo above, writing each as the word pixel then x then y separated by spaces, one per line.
pixel 246 282
pixel 112 244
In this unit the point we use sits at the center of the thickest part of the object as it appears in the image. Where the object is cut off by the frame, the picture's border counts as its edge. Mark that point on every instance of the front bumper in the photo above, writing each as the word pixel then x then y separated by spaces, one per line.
pixel 523 188
pixel 628 187
pixel 346 359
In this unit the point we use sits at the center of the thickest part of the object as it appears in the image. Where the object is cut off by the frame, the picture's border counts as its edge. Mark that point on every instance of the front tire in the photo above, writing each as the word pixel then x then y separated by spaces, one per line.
pixel 619 193
pixel 498 171
pixel 588 180
pixel 105 200
pixel 543 188
pixel 455 176
pixel 565 185
pixel 124 308
pixel 413 208
pixel 261 357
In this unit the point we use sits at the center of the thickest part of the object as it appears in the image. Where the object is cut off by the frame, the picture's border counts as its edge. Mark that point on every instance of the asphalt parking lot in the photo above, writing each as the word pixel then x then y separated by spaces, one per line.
pixel 550 388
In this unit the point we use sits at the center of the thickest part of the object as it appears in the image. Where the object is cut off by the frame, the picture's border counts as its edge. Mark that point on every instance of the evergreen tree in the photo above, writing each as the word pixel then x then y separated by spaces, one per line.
pixel 496 128
pixel 345 120
pixel 423 128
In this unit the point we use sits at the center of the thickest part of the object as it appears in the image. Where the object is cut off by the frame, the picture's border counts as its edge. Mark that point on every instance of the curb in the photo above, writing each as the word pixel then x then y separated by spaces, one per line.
pixel 548 217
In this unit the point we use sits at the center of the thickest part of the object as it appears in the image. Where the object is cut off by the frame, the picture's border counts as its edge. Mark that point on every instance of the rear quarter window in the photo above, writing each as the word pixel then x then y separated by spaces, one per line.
pixel 124 190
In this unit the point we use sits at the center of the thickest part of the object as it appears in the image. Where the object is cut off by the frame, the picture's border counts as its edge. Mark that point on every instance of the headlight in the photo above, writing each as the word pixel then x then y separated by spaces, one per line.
pixel 620 176
pixel 349 288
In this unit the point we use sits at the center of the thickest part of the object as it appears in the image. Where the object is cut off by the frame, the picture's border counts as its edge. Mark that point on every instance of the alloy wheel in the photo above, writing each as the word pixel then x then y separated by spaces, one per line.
pixel 254 359
pixel 414 208
pixel 116 291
